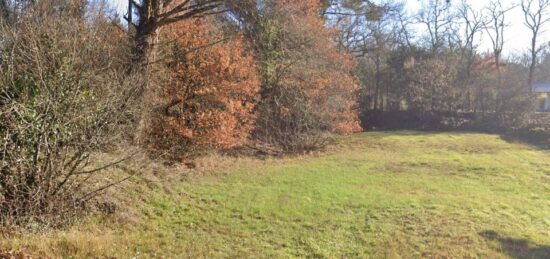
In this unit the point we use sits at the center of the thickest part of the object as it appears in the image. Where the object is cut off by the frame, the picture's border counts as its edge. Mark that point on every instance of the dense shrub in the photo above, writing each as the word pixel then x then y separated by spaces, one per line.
pixel 536 131
pixel 210 93
pixel 308 88
pixel 432 86
pixel 63 91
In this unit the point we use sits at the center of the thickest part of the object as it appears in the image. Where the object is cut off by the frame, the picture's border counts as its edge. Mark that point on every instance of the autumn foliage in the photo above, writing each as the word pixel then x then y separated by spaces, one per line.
pixel 334 86
pixel 288 85
pixel 210 97
pixel 326 73
pixel 284 86
pixel 308 86
pixel 337 92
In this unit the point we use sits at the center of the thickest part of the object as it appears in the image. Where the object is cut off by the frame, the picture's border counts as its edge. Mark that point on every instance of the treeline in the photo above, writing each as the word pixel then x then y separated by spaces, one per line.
pixel 426 70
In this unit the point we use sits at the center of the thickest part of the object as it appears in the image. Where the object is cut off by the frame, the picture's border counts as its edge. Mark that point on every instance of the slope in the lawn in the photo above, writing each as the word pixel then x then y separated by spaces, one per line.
pixel 379 194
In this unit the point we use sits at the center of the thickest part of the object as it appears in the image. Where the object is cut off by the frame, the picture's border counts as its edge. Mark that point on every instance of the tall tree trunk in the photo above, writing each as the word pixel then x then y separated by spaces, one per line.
pixel 379 97
pixel 532 64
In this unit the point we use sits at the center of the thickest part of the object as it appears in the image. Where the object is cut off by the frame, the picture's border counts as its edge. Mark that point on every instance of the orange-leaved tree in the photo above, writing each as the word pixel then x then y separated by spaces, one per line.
pixel 209 99
pixel 335 89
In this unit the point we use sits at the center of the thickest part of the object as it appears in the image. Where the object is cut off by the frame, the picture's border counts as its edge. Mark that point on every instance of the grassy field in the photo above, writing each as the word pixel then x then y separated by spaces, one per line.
pixel 374 195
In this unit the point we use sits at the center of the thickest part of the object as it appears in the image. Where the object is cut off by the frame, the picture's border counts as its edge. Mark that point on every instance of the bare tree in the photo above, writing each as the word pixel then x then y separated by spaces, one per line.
pixel 495 29
pixel 535 13
pixel 349 36
pixel 436 15
pixel 403 33
pixel 473 23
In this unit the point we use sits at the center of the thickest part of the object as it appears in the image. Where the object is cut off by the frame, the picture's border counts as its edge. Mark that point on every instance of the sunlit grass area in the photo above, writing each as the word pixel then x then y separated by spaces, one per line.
pixel 377 195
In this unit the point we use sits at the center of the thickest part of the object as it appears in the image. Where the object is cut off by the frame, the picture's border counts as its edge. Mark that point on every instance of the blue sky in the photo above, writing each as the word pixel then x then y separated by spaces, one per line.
pixel 517 36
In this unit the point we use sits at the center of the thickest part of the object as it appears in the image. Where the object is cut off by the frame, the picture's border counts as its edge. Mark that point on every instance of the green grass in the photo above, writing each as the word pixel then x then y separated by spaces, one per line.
pixel 377 195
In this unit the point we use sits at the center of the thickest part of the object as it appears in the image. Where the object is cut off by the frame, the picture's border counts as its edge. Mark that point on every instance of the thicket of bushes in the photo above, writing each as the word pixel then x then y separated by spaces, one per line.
pixel 75 82
pixel 65 93
pixel 308 86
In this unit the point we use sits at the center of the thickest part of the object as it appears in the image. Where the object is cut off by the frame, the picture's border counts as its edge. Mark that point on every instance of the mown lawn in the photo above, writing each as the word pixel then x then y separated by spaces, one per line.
pixel 374 195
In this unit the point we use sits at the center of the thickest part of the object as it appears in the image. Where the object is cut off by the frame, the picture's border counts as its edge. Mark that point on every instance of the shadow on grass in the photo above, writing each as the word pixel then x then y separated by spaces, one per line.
pixel 518 248
pixel 536 140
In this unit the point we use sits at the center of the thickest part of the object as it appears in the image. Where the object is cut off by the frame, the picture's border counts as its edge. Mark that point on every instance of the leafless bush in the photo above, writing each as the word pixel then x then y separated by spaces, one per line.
pixel 289 123
pixel 65 91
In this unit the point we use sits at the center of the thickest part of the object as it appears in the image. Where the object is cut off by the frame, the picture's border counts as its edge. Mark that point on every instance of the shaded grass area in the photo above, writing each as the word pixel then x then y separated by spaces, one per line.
pixel 379 194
